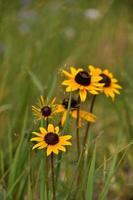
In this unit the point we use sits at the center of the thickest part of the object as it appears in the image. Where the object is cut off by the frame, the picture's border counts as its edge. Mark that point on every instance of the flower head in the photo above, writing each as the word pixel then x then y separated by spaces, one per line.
pixel 111 86
pixel 82 81
pixel 63 108
pixel 43 109
pixel 51 140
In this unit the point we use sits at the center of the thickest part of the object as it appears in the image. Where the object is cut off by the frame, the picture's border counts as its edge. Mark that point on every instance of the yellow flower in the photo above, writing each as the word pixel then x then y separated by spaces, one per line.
pixel 63 108
pixel 111 86
pixel 51 140
pixel 44 110
pixel 82 81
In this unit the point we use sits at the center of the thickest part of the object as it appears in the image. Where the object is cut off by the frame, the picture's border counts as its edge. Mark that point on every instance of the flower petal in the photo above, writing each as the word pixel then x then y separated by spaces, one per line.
pixel 83 95
pixel 37 145
pixel 55 150
pixel 36 139
pixel 73 71
pixel 57 129
pixel 62 148
pixel 65 137
pixel 37 134
pixel 43 130
pixel 67 74
pixel 49 150
pixel 59 108
pixel 43 146
pixel 42 100
pixel 51 128
pixel 63 118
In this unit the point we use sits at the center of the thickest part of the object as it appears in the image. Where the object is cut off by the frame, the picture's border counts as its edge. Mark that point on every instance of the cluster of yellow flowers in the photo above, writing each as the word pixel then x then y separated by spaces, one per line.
pixel 94 81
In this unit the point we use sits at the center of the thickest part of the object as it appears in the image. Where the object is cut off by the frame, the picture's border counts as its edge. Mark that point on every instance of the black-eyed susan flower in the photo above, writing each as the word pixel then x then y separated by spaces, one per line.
pixel 83 81
pixel 63 108
pixel 111 86
pixel 51 140
pixel 43 109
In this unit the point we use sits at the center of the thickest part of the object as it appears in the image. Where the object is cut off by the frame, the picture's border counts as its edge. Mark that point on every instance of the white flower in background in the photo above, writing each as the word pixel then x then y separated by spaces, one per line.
pixel 92 14
pixel 70 32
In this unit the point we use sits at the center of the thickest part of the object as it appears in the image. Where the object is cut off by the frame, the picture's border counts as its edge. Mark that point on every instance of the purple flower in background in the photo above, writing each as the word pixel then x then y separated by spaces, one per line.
pixel 25 3
pixel 29 15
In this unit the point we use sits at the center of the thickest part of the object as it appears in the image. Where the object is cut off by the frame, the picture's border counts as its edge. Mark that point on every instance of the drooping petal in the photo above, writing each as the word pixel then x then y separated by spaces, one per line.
pixel 43 146
pixel 49 150
pixel 63 118
pixel 94 92
pixel 83 95
pixel 37 145
pixel 87 116
pixel 60 108
pixel 55 150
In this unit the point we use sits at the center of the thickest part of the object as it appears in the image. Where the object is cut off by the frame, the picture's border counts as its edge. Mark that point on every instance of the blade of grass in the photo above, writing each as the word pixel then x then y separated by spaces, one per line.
pixel 21 188
pixel 52 87
pixel 1 162
pixel 20 155
pixel 104 192
pixel 91 176
pixel 9 192
pixel 36 81
pixel 71 188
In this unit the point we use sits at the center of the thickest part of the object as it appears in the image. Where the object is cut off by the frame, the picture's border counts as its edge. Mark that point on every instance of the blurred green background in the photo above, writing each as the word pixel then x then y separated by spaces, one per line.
pixel 37 38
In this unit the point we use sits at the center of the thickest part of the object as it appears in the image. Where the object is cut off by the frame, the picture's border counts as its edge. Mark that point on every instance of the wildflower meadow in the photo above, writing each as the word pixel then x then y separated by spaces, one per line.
pixel 65 100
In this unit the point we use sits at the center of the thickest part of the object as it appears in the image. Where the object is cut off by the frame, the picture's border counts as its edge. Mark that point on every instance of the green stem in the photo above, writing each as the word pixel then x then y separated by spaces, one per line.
pixel 89 123
pixel 52 175
pixel 47 121
pixel 77 128
pixel 47 167
pixel 47 183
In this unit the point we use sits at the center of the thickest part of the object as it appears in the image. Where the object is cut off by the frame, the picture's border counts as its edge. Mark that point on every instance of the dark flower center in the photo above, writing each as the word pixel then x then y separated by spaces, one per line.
pixel 83 78
pixel 51 138
pixel 106 80
pixel 46 111
pixel 65 103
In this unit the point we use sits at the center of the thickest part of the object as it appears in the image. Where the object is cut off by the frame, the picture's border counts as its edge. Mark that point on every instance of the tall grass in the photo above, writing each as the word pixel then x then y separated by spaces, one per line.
pixel 36 40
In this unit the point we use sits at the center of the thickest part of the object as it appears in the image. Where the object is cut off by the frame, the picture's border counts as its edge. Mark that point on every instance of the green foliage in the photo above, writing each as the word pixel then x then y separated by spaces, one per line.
pixel 36 41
